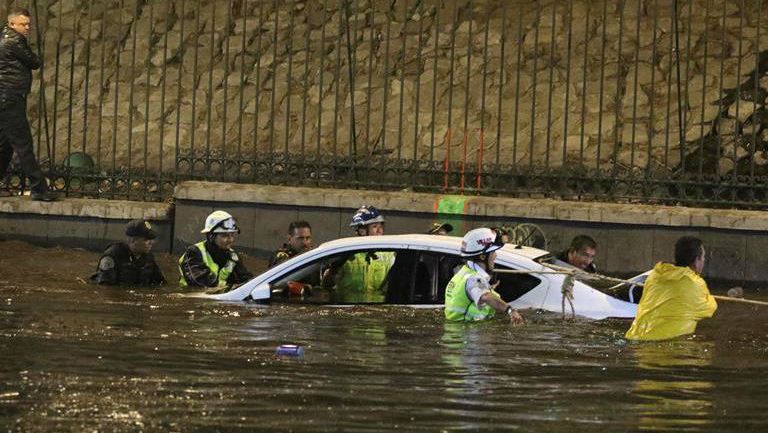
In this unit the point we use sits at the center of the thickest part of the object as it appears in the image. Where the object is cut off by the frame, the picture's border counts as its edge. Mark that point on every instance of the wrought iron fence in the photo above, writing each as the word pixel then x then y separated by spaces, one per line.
pixel 646 100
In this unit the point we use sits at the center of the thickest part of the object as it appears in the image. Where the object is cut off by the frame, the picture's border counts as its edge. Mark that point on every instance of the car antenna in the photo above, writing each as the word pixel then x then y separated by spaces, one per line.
pixel 519 246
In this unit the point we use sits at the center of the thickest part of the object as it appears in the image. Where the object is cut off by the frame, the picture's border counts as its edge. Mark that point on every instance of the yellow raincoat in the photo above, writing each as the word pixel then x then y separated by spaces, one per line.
pixel 674 299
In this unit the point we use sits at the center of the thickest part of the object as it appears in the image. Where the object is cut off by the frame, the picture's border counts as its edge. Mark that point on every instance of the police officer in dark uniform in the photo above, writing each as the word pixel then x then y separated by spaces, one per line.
pixel 130 262
pixel 299 241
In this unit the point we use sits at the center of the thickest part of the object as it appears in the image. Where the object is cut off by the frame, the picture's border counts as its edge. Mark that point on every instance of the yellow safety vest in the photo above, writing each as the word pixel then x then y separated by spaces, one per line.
pixel 361 278
pixel 458 306
pixel 221 273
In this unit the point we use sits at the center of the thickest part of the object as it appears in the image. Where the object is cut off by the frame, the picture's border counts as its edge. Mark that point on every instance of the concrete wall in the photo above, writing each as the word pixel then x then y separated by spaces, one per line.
pixel 631 237
pixel 81 223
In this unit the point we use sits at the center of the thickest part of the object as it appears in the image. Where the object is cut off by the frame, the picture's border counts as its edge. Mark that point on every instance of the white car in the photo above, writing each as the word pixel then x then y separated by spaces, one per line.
pixel 423 266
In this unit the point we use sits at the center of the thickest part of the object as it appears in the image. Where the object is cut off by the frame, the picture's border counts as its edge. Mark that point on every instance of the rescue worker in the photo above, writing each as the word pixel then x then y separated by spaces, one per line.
pixel 469 295
pixel 213 263
pixel 441 229
pixel 580 254
pixel 130 262
pixel 362 278
pixel 299 241
pixel 675 297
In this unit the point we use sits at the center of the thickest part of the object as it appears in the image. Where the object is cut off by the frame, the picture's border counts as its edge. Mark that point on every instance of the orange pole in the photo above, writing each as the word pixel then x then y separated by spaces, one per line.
pixel 480 162
pixel 447 158
pixel 463 161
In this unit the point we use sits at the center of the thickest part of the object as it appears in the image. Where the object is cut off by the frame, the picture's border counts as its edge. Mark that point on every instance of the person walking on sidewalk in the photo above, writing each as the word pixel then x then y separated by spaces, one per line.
pixel 17 60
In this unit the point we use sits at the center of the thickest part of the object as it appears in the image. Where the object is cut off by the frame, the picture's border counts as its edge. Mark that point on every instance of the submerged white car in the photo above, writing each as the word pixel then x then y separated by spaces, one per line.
pixel 422 268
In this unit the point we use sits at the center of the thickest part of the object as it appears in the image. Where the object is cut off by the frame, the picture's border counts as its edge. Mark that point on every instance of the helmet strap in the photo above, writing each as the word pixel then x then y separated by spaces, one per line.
pixel 487 261
pixel 480 259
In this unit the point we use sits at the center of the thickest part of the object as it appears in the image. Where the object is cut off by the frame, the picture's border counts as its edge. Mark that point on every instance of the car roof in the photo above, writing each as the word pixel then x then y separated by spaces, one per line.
pixel 450 244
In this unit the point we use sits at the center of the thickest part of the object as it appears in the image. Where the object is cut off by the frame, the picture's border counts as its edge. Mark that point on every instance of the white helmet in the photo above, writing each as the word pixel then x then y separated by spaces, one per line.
pixel 220 222
pixel 480 241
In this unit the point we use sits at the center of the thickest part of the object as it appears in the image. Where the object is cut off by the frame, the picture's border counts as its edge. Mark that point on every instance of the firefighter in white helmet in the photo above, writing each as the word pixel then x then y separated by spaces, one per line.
pixel 213 263
pixel 469 295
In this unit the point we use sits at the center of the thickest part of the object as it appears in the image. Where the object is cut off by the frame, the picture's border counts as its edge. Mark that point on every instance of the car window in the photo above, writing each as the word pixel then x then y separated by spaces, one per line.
pixel 444 267
pixel 513 286
pixel 421 277
pixel 362 277
pixel 385 276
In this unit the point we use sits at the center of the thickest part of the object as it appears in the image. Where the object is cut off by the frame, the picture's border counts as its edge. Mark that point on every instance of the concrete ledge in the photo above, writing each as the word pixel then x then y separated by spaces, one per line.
pixel 491 207
pixel 84 223
pixel 631 238
pixel 88 208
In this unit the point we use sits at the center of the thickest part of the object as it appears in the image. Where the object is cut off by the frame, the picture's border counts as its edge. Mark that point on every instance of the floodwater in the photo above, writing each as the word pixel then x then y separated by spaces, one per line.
pixel 75 357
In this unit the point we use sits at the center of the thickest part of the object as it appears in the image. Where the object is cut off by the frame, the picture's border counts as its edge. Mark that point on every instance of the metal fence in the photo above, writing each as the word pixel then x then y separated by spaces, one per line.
pixel 645 101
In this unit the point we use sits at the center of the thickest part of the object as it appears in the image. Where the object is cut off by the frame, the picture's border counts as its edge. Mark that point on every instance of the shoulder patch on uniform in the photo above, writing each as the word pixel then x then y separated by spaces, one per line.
pixel 106 263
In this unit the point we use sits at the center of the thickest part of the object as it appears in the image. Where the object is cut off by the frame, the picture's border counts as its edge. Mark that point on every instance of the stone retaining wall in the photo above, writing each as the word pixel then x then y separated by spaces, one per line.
pixel 547 83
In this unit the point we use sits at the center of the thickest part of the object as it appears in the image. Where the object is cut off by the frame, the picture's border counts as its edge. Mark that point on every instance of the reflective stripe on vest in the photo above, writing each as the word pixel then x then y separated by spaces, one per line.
pixel 222 274
pixel 458 306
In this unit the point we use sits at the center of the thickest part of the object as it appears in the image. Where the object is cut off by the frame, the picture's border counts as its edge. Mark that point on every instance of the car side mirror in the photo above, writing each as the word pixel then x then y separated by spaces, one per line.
pixel 261 292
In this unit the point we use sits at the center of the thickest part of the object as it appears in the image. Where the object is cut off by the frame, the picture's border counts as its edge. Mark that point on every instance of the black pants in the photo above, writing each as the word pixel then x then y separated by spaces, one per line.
pixel 15 136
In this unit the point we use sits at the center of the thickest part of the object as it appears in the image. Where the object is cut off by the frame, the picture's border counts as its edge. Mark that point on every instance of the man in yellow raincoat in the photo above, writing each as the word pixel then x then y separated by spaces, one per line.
pixel 675 297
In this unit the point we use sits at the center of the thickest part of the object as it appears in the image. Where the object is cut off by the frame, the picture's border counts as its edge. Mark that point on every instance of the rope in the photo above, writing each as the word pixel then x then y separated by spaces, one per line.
pixel 567 291
pixel 576 273
pixel 741 300
pixel 570 277
pixel 572 274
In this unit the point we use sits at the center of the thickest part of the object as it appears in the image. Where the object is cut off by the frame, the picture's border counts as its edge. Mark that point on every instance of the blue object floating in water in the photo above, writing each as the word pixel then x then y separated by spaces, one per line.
pixel 289 350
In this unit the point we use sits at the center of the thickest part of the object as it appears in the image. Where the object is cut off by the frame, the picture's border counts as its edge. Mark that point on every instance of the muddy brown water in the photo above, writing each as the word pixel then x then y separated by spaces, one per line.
pixel 76 357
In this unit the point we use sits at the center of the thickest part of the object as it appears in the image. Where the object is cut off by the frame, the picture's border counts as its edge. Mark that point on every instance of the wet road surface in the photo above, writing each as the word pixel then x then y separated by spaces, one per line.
pixel 77 357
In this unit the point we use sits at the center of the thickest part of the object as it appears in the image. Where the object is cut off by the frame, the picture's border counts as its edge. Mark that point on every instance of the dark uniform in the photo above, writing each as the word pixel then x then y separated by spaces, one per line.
pixel 118 266
pixel 16 64
pixel 195 272
pixel 284 253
